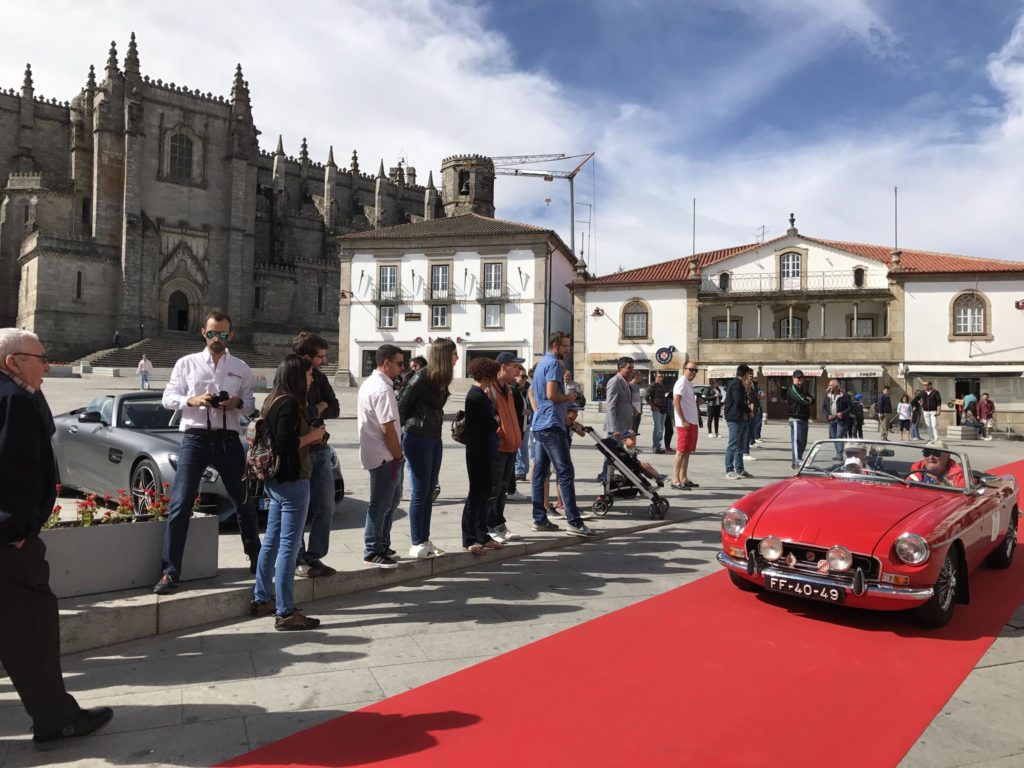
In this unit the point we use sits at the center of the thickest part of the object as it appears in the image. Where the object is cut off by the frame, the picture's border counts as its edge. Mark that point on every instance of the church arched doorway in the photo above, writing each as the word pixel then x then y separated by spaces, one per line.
pixel 177 312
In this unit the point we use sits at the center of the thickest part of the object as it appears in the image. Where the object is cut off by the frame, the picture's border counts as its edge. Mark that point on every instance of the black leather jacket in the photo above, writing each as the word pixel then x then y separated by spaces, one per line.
pixel 420 407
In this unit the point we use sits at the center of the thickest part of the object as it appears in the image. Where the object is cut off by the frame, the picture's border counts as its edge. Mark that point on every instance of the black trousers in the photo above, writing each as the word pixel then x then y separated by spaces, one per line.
pixel 30 635
pixel 669 427
pixel 503 468
pixel 474 511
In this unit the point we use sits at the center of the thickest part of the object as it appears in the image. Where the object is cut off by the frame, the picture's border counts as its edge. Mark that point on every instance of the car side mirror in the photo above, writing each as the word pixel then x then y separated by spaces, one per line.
pixel 90 417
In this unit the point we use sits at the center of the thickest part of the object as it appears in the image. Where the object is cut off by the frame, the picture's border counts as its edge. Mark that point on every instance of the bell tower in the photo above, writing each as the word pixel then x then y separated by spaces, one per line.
pixel 467 185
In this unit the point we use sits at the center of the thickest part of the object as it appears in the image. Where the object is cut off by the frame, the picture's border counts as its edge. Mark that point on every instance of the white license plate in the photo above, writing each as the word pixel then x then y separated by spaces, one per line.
pixel 828 594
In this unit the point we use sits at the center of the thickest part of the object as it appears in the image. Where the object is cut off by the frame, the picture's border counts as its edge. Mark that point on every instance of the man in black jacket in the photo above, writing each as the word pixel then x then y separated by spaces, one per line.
pixel 883 407
pixel 30 634
pixel 800 401
pixel 737 410
pixel 322 405
pixel 836 411
pixel 657 399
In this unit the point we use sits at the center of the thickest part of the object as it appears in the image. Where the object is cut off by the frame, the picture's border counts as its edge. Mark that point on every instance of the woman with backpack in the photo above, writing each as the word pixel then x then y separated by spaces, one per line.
pixel 421 410
pixel 284 411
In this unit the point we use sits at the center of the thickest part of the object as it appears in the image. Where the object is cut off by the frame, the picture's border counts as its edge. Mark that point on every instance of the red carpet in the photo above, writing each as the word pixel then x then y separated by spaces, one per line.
pixel 704 675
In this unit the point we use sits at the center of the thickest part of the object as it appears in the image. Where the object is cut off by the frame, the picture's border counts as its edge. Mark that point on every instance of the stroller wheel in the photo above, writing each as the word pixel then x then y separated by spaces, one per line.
pixel 600 506
pixel 661 507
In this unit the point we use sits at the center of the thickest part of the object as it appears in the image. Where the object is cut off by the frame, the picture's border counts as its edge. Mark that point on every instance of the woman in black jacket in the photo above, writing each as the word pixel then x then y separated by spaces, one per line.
pixel 288 490
pixel 421 410
pixel 481 450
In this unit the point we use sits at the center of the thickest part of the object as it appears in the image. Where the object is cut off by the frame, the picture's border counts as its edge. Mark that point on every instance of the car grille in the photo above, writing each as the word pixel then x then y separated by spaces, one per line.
pixel 807 557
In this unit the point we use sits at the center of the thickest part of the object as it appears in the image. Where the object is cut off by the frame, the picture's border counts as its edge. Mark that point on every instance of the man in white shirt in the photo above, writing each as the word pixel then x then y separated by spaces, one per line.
pixel 380 452
pixel 684 403
pixel 145 370
pixel 211 389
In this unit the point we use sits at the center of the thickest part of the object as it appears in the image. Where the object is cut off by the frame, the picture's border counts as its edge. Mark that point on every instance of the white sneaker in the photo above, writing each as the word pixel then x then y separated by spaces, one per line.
pixel 434 550
pixel 496 535
pixel 731 476
pixel 517 496
pixel 420 551
pixel 506 534
pixel 748 457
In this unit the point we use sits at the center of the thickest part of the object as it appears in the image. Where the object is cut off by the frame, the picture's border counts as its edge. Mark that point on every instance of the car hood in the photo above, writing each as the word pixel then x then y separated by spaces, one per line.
pixel 826 511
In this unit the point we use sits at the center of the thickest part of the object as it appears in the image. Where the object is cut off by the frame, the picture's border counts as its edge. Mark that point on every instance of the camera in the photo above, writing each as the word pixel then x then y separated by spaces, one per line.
pixel 316 423
pixel 219 398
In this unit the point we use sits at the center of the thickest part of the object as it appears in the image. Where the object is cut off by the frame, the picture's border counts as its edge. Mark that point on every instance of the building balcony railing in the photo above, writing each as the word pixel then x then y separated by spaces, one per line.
pixel 442 296
pixel 389 296
pixel 822 283
pixel 502 295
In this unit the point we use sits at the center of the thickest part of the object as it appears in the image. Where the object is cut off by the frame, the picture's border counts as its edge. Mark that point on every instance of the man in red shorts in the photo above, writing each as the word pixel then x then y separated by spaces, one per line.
pixel 684 404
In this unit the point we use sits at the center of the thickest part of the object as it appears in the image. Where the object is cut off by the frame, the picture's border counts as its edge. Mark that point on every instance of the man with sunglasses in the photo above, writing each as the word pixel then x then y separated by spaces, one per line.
pixel 687 418
pixel 937 467
pixel 212 390
pixel 30 635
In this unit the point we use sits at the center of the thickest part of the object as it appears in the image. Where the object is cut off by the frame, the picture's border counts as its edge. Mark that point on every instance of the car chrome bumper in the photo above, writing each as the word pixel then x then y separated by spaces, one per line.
pixel 873 590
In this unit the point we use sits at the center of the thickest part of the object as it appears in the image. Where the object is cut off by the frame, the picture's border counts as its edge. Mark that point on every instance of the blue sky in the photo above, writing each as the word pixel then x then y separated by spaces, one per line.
pixel 754 107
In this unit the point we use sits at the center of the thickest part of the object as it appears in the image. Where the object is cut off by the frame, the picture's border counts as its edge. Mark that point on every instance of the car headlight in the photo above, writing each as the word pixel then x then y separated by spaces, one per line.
pixel 770 548
pixel 172 459
pixel 839 558
pixel 912 549
pixel 734 521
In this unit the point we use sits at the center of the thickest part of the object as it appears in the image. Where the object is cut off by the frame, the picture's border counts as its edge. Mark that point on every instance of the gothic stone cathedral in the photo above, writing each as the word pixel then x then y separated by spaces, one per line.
pixel 141 205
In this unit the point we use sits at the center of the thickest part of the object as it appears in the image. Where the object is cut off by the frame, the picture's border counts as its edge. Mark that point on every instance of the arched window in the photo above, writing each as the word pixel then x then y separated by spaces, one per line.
pixel 969 311
pixel 723 281
pixel 798 328
pixel 180 165
pixel 634 320
pixel 789 270
pixel 858 277
pixel 78 284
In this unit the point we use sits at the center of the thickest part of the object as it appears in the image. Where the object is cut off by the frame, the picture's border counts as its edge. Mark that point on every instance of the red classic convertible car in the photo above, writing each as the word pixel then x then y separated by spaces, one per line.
pixel 877 525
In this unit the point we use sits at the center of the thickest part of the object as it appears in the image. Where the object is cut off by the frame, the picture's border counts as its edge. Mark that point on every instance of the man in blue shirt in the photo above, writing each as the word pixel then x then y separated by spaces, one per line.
pixel 552 402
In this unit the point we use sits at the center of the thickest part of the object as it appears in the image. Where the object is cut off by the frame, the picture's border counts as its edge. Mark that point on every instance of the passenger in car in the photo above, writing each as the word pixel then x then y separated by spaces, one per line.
pixel 937 467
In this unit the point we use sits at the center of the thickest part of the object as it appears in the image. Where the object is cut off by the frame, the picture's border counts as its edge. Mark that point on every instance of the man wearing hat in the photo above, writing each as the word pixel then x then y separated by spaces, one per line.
pixel 937 467
pixel 800 401
pixel 510 437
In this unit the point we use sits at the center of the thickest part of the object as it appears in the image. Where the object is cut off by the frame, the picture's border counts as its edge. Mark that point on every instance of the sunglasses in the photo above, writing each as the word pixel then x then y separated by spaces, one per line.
pixel 932 454
pixel 691 370
pixel 215 334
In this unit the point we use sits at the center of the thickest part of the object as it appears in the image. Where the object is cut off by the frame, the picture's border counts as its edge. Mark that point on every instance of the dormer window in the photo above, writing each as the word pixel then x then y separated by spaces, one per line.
pixel 789 271
pixel 723 282
pixel 858 277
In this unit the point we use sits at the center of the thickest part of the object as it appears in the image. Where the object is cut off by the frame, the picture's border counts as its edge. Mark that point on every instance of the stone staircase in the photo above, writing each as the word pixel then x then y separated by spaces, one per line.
pixel 164 351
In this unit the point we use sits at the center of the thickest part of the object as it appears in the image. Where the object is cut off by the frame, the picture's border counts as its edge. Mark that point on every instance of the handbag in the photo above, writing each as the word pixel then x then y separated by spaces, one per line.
pixel 459 427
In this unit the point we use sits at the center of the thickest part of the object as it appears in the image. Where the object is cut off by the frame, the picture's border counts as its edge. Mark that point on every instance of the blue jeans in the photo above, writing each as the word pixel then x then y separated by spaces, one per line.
pixel 736 446
pixel 424 457
pixel 657 428
pixel 385 494
pixel 915 429
pixel 837 428
pixel 197 452
pixel 798 438
pixel 523 455
pixel 552 446
pixel 321 506
pixel 289 501
pixel 143 379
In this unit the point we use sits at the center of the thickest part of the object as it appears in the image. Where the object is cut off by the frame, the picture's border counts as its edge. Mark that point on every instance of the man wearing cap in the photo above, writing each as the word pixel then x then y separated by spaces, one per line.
pixel 800 401
pixel 510 437
pixel 937 467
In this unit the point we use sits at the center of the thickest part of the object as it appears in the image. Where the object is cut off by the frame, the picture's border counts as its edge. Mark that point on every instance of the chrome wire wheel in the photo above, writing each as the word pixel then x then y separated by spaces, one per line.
pixel 945 584
pixel 1011 537
pixel 145 480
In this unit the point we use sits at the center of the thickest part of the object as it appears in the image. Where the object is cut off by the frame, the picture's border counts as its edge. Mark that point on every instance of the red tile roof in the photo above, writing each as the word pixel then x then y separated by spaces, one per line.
pixel 911 261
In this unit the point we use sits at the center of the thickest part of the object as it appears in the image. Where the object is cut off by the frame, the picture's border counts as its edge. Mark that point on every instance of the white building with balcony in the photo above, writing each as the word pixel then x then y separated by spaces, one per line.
pixel 490 285
pixel 863 313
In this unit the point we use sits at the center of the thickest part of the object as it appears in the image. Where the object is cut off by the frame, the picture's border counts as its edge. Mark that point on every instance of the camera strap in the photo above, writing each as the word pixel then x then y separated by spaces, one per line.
pixel 224 418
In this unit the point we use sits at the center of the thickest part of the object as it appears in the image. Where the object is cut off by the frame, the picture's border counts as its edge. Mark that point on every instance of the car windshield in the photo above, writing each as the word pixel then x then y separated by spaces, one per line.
pixel 145 413
pixel 884 461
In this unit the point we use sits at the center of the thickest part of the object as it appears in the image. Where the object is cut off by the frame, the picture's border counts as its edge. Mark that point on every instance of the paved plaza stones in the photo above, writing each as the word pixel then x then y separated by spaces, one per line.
pixel 199 695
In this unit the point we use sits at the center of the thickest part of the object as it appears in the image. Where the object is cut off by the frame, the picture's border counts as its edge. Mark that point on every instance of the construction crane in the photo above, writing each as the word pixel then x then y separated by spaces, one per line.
pixel 508 165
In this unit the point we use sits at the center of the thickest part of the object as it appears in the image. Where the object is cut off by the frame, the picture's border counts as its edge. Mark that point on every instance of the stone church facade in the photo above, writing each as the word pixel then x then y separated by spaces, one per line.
pixel 141 205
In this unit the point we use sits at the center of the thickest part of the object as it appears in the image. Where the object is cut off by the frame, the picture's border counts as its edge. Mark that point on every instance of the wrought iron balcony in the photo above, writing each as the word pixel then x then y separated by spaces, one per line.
pixel 820 283
pixel 502 295
pixel 387 296
pixel 441 296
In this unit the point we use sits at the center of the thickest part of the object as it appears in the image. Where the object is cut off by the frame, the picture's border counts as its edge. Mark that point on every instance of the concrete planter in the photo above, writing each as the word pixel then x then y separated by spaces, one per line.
pixel 107 558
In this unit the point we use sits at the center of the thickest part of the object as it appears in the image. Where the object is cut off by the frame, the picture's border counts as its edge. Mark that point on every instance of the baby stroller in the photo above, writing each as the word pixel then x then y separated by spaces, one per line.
pixel 624 479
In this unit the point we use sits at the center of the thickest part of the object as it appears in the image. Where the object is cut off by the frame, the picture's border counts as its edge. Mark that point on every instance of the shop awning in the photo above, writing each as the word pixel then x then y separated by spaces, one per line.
pixel 782 370
pixel 854 371
pixel 967 370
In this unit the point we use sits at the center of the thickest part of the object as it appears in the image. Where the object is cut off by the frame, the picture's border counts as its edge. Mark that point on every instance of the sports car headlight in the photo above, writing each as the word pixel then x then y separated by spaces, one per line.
pixel 734 521
pixel 770 548
pixel 912 549
pixel 839 558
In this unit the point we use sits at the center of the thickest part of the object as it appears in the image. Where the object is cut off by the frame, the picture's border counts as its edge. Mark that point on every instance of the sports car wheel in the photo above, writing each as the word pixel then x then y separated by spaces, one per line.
pixel 599 507
pixel 1003 557
pixel 939 610
pixel 741 583
pixel 145 478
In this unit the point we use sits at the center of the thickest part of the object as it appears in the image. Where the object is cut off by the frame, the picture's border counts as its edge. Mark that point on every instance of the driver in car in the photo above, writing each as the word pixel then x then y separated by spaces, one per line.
pixel 937 467
pixel 855 460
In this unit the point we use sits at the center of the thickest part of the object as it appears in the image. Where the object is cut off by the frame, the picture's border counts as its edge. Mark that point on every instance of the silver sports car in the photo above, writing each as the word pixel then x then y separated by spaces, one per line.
pixel 129 440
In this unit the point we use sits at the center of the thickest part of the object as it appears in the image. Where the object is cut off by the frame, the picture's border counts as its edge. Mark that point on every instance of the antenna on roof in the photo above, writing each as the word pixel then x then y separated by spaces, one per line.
pixel 896 218
pixel 693 247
